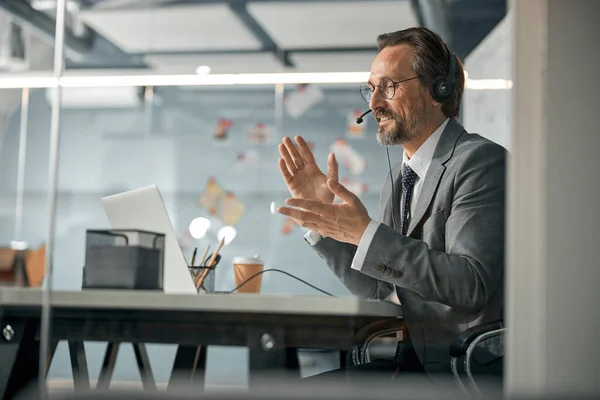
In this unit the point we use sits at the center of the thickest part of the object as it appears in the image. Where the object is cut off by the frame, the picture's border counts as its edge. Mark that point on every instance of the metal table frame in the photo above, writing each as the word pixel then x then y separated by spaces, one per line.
pixel 272 327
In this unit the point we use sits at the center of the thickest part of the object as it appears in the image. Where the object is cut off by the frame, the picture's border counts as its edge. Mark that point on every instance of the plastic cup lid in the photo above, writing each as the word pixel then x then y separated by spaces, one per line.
pixel 248 260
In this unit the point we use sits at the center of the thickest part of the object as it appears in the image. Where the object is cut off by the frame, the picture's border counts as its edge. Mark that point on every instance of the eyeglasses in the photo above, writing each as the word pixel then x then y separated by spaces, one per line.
pixel 387 87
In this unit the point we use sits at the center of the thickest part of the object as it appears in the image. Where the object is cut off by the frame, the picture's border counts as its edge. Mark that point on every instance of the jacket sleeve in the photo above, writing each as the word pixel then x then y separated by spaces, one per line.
pixel 465 275
pixel 339 258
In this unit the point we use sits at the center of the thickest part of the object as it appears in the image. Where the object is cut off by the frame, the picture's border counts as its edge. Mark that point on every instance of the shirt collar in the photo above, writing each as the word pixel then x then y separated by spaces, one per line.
pixel 422 158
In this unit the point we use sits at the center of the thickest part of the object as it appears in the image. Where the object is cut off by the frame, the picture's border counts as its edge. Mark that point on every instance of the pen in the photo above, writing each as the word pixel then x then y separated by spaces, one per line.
pixel 194 256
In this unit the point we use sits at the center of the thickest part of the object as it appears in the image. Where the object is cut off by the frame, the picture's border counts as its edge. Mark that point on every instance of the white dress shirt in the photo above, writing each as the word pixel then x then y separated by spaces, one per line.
pixel 419 163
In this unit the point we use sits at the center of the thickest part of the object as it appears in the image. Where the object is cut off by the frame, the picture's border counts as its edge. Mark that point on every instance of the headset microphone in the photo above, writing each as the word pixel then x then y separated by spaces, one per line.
pixel 360 119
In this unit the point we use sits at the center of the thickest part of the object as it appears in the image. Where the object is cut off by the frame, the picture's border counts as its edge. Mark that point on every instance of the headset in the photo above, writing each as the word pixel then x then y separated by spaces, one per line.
pixel 441 89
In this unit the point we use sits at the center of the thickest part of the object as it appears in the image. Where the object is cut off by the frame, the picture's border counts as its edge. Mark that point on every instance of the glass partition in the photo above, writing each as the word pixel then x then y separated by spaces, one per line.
pixel 210 149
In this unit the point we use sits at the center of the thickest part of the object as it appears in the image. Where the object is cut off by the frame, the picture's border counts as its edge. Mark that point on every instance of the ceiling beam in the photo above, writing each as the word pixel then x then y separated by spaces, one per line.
pixel 91 49
pixel 268 44
pixel 435 15
pixel 472 21
pixel 142 4
pixel 45 26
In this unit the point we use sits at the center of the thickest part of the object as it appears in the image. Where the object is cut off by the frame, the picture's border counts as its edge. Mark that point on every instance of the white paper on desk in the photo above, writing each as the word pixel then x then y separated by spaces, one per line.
pixel 302 99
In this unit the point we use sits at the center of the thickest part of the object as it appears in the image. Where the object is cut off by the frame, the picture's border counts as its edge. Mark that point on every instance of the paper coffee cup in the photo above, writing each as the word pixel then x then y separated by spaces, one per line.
pixel 243 269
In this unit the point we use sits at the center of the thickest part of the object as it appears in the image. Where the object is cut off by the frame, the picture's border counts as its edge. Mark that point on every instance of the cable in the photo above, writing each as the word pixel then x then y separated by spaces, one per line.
pixel 285 273
pixel 387 150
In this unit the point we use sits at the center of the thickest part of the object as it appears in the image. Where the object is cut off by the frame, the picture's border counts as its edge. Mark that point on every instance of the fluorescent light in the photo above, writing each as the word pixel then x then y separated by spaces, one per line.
pixel 70 79
pixel 213 80
pixel 199 226
pixel 489 84
pixel 203 70
pixel 146 80
pixel 228 233
pixel 20 82
pixel 50 5
pixel 97 97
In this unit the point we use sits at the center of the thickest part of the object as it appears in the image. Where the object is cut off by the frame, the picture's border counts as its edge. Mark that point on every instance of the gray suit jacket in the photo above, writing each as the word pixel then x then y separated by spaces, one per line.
pixel 448 271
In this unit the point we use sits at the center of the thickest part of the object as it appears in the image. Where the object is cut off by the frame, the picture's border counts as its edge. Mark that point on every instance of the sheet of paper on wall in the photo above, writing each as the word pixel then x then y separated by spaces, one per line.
pixel 305 96
pixel 245 160
pixel 354 130
pixel 288 226
pixel 348 157
pixel 222 130
pixel 211 197
pixel 260 133
pixel 231 209
pixel 355 186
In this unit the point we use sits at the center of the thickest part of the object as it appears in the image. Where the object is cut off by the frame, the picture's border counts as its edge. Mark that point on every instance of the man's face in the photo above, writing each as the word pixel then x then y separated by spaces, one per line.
pixel 403 117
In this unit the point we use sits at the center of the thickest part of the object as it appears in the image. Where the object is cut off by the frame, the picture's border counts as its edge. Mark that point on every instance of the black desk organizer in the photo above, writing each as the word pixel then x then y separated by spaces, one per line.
pixel 123 259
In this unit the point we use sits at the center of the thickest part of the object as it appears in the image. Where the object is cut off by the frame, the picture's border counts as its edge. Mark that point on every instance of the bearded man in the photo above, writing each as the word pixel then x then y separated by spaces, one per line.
pixel 438 242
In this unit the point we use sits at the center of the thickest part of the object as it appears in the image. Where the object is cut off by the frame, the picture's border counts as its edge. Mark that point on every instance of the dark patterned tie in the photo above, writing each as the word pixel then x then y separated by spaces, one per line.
pixel 409 177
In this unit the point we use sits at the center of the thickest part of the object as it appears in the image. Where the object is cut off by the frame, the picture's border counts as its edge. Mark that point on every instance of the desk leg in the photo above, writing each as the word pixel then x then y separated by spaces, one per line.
pixel 108 365
pixel 189 367
pixel 81 377
pixel 143 362
pixel 19 355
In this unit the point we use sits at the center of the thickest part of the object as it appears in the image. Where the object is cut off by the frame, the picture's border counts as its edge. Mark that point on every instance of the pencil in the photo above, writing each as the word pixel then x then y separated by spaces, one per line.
pixel 210 263
pixel 203 259
pixel 216 253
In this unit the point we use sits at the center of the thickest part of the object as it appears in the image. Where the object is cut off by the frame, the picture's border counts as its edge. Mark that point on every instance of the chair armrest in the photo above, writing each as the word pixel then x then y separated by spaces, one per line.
pixel 367 334
pixel 383 327
pixel 464 339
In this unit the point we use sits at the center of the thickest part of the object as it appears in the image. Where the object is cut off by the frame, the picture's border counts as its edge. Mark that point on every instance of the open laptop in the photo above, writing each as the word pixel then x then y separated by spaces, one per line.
pixel 144 209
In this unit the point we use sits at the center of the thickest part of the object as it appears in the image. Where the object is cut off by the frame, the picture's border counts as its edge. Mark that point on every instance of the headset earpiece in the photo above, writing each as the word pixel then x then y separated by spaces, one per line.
pixel 439 91
pixel 442 87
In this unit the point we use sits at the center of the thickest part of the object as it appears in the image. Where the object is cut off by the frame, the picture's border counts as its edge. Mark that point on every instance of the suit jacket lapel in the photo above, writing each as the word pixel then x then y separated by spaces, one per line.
pixel 431 182
pixel 392 208
pixel 397 174
pixel 443 152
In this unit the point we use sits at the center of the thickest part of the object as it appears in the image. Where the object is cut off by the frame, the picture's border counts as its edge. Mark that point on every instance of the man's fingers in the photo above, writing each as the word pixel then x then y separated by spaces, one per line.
pixel 300 216
pixel 287 177
pixel 308 205
pixel 332 167
pixel 305 151
pixel 339 190
pixel 291 166
pixel 293 151
pixel 324 229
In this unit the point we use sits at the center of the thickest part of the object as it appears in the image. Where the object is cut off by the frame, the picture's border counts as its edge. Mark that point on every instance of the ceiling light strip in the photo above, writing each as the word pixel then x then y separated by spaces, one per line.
pixel 70 80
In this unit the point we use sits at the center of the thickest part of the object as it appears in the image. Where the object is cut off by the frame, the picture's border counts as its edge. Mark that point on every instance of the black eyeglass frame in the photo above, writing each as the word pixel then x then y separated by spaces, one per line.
pixel 369 88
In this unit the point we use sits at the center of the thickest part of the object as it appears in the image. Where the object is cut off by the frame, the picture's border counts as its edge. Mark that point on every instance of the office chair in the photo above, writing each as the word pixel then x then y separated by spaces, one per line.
pixel 377 340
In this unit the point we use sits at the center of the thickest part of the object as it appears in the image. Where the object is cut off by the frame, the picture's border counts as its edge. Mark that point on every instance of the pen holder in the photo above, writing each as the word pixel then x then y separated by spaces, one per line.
pixel 207 284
